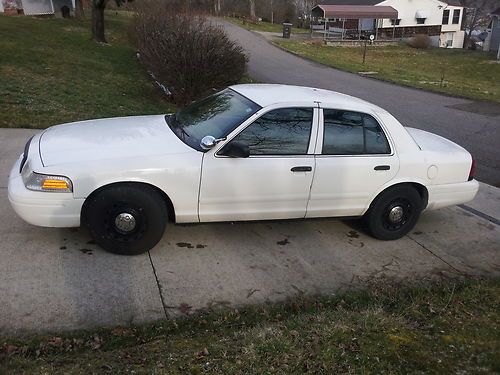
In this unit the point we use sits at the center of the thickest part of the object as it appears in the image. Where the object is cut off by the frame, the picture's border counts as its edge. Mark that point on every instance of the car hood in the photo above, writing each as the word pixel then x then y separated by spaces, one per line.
pixel 121 137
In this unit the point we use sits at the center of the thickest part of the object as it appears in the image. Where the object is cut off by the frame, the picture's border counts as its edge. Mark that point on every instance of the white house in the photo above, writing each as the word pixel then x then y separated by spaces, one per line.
pixel 431 14
pixel 59 8
pixel 441 20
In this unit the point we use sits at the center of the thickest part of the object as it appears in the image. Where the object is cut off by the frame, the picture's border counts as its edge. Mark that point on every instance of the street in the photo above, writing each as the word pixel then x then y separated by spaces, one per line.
pixel 478 133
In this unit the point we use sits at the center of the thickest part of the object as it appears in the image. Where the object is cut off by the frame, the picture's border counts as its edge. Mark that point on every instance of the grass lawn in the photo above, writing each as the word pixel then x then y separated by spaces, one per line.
pixel 470 74
pixel 440 329
pixel 264 26
pixel 51 72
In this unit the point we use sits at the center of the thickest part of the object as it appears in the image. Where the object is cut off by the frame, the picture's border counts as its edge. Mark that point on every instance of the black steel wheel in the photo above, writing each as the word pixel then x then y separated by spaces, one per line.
pixel 127 219
pixel 394 212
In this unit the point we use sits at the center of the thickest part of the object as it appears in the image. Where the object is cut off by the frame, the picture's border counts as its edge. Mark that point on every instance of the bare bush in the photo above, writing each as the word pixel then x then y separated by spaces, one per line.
pixel 421 41
pixel 185 52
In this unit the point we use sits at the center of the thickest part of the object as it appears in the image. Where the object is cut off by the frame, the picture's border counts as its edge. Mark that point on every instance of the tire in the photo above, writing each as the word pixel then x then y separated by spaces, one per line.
pixel 126 219
pixel 394 213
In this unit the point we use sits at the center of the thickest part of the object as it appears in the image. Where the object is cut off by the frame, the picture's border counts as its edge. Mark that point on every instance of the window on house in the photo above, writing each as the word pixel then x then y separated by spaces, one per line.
pixel 446 16
pixel 396 21
pixel 456 16
pixel 420 21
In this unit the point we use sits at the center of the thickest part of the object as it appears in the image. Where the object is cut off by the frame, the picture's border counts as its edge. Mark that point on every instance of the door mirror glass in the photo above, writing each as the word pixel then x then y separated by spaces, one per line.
pixel 236 150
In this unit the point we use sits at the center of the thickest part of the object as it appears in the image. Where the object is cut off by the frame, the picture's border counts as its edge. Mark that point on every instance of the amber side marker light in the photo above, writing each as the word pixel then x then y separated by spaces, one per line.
pixel 55 184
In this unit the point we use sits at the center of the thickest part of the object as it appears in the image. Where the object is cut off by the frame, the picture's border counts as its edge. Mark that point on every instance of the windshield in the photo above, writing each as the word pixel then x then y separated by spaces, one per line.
pixel 217 115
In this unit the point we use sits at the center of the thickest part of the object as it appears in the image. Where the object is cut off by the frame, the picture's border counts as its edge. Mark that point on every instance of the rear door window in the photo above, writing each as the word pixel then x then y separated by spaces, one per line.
pixel 352 133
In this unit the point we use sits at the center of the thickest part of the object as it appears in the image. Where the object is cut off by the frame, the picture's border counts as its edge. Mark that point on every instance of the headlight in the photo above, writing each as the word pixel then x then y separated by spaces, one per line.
pixel 43 182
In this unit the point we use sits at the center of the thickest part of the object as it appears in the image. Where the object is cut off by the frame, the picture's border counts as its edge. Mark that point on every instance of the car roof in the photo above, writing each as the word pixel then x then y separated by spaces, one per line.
pixel 268 94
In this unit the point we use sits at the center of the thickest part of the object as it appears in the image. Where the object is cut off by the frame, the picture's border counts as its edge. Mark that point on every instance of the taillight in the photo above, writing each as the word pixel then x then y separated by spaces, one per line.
pixel 472 170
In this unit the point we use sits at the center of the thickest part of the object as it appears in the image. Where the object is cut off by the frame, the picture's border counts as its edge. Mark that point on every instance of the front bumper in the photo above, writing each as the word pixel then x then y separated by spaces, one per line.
pixel 44 209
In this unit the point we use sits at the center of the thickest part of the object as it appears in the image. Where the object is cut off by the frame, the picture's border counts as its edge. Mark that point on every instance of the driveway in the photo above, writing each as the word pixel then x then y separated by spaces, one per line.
pixel 478 133
pixel 58 279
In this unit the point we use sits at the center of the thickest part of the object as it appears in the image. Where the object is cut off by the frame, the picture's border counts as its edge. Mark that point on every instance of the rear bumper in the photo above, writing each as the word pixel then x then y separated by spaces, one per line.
pixel 42 208
pixel 451 194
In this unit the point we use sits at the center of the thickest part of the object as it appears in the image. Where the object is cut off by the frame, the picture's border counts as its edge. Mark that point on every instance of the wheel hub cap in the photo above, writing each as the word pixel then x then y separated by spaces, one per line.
pixel 125 222
pixel 396 214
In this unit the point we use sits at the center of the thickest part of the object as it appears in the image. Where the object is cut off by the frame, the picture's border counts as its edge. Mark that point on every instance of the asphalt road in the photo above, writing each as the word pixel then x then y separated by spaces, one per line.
pixel 478 133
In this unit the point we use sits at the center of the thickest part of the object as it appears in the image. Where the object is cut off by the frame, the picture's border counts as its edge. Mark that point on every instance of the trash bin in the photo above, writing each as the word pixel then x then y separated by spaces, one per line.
pixel 287 30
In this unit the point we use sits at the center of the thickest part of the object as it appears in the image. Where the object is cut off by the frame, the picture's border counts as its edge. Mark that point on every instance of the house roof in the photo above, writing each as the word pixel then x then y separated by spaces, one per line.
pixel 373 2
pixel 356 11
pixel 350 2
pixel 452 2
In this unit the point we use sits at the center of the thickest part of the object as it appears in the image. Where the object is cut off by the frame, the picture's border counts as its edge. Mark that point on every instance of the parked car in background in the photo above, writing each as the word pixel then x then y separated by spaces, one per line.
pixel 250 152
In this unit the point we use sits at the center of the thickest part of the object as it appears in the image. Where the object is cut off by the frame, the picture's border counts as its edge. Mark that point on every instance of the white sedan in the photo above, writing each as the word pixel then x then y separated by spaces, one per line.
pixel 250 152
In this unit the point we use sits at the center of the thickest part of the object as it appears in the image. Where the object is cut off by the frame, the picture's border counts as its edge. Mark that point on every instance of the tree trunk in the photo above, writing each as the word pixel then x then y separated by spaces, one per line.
pixel 252 9
pixel 79 9
pixel 98 24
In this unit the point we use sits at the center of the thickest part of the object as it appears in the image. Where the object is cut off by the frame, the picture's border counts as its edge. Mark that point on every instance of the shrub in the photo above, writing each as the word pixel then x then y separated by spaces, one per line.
pixel 186 53
pixel 421 41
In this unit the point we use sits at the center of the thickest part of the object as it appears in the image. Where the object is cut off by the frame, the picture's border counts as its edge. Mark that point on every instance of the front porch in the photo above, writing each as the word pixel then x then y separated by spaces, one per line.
pixel 352 22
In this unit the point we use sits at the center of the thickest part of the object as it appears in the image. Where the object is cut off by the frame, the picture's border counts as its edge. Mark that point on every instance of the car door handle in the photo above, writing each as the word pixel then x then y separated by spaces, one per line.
pixel 301 169
pixel 382 168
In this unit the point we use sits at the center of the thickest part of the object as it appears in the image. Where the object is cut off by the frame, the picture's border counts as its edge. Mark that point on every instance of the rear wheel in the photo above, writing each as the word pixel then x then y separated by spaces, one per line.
pixel 127 219
pixel 394 213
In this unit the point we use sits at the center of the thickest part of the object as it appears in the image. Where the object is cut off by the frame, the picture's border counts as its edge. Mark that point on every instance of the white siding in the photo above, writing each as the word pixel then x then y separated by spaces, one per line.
pixel 1 6
pixel 37 7
pixel 433 10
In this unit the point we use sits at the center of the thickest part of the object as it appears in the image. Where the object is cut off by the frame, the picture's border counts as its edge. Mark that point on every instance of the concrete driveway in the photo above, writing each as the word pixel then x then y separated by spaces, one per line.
pixel 453 118
pixel 58 279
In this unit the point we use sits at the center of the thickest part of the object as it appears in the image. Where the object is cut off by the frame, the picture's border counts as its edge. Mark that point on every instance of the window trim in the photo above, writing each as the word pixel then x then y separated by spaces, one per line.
pixel 321 137
pixel 312 136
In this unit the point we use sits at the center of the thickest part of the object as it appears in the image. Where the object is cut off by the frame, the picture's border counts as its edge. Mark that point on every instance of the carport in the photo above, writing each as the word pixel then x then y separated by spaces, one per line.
pixel 350 22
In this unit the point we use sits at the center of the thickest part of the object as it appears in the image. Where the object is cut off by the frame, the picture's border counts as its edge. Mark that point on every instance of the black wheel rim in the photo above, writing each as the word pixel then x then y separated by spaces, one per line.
pixel 121 233
pixel 397 214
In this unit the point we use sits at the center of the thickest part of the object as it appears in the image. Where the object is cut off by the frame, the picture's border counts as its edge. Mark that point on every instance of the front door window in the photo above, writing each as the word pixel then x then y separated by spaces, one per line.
pixel 284 131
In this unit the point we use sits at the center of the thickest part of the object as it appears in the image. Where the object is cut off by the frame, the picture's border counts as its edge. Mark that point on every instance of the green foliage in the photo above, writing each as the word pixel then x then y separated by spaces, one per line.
pixel 52 73
pixel 466 73
pixel 446 328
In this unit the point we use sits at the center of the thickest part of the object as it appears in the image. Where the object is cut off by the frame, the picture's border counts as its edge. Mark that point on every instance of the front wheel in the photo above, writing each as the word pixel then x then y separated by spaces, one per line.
pixel 127 219
pixel 394 213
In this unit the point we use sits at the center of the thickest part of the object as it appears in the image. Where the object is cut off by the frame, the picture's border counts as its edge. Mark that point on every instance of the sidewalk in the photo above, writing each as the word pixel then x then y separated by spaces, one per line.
pixel 58 279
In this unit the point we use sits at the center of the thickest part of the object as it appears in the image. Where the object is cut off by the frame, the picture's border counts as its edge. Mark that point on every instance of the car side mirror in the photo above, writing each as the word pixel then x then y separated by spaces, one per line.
pixel 236 150
pixel 208 142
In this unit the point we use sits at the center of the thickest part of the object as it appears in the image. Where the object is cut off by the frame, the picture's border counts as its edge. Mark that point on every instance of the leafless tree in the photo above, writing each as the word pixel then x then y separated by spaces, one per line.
pixel 251 4
pixel 79 9
pixel 98 7
pixel 476 15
